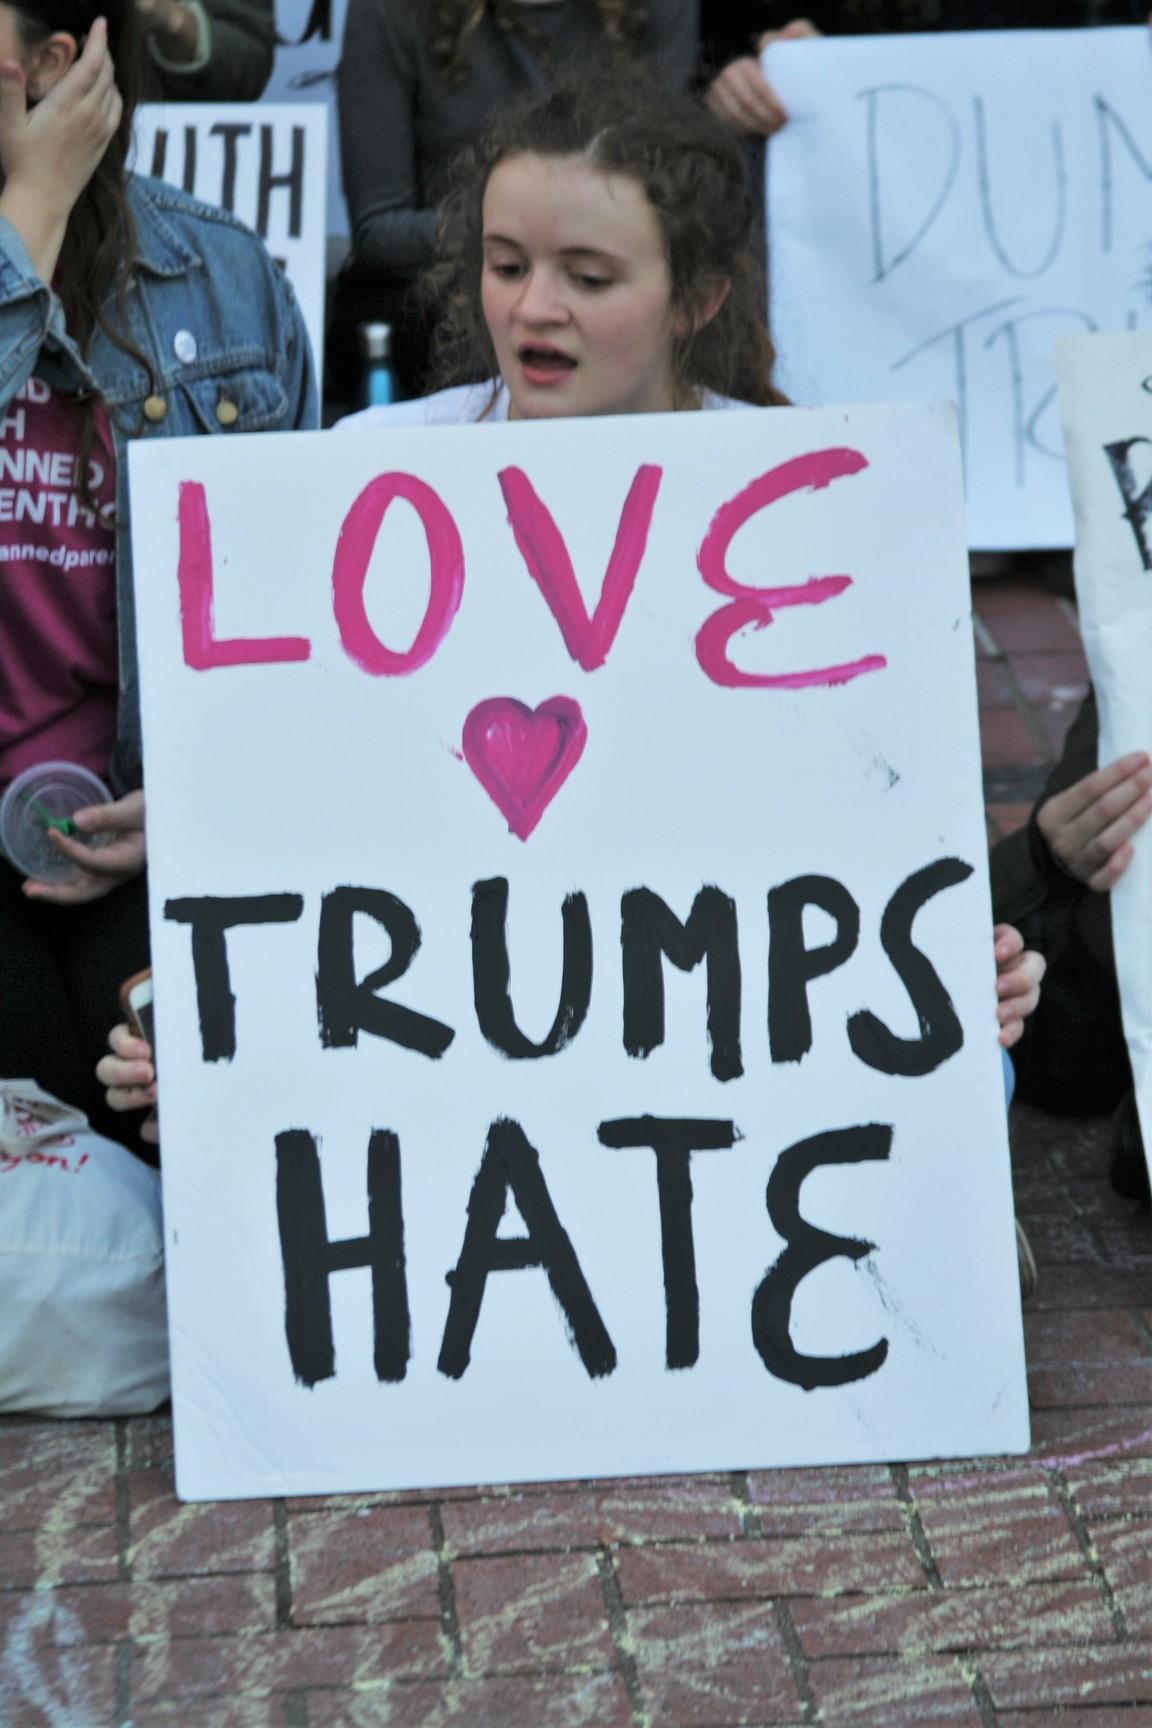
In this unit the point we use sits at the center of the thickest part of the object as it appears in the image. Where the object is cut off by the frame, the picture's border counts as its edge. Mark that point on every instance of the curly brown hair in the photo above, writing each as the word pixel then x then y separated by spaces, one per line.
pixel 624 23
pixel 693 174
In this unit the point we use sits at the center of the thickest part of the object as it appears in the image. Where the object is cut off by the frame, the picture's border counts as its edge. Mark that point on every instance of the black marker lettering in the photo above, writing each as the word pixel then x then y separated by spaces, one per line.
pixel 792 966
pixel 674 1139
pixel 231 132
pixel 291 181
pixel 346 1005
pixel 1026 420
pixel 491 972
pixel 956 333
pixel 310 1258
pixel 510 1165
pixel 1137 499
pixel 1107 121
pixel 882 265
pixel 650 933
pixel 210 917
pixel 984 176
pixel 809 1247
pixel 941 1034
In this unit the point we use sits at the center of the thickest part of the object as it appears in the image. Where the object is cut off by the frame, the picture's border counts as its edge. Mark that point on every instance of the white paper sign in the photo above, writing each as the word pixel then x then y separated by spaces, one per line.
pixel 266 164
pixel 456 762
pixel 1106 402
pixel 941 209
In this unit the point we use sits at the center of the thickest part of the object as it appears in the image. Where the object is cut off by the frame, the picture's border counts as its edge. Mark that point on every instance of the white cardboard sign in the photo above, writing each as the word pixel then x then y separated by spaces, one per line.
pixel 1106 402
pixel 941 208
pixel 264 163
pixel 558 834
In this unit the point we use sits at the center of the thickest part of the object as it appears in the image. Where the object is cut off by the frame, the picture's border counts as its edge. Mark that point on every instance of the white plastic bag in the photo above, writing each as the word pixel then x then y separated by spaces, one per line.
pixel 83 1330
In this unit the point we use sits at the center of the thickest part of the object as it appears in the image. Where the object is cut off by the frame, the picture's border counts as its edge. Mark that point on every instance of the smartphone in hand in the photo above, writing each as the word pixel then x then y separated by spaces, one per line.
pixel 136 1002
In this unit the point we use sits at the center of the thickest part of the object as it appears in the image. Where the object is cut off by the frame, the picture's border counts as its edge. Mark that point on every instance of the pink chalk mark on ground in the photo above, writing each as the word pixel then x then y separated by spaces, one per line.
pixel 522 756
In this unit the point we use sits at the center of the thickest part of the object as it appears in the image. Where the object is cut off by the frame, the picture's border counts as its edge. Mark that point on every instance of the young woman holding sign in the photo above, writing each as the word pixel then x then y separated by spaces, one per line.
pixel 597 260
pixel 126 310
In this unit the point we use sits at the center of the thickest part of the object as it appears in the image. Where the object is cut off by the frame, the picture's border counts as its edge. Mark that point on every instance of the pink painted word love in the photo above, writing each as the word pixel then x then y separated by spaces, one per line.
pixel 587 637
pixel 522 756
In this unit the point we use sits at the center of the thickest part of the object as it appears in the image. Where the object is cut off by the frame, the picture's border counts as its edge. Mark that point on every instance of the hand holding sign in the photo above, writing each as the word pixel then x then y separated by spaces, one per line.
pixel 1089 828
pixel 742 97
pixel 130 1078
pixel 1019 973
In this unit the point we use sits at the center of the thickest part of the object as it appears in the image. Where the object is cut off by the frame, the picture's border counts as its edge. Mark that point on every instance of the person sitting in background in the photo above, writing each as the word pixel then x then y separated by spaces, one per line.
pixel 418 80
pixel 208 50
pixel 1053 879
pixel 127 309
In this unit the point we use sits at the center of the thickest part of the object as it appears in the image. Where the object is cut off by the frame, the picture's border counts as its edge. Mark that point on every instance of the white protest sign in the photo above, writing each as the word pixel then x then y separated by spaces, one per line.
pixel 1106 403
pixel 553 1013
pixel 941 208
pixel 266 164
pixel 308 38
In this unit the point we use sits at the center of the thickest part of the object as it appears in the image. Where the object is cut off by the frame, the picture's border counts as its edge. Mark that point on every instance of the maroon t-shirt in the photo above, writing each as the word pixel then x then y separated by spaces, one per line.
pixel 58 662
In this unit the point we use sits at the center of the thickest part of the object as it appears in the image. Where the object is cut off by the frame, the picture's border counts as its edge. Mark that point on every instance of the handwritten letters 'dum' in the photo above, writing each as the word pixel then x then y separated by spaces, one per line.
pixel 942 209
pixel 573 952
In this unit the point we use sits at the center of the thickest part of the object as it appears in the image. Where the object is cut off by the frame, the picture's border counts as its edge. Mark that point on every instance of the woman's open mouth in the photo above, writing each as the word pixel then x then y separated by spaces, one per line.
pixel 544 366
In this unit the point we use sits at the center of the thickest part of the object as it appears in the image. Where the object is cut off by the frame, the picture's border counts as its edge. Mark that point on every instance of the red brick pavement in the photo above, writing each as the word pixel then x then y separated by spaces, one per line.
pixel 1015 1592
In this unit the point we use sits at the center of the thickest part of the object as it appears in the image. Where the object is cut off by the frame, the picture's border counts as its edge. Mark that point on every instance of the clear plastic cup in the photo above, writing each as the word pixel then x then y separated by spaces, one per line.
pixel 41 799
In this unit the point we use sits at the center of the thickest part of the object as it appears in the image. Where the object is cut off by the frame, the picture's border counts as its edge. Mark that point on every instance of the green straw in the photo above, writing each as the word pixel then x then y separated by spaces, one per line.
pixel 62 824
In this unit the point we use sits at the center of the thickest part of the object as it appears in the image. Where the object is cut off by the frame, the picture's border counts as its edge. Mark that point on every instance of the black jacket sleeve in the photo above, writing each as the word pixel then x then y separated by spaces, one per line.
pixel 1072 1056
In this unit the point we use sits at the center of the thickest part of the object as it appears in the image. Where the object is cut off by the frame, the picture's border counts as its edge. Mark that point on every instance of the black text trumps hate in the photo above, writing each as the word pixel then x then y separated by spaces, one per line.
pixel 651 935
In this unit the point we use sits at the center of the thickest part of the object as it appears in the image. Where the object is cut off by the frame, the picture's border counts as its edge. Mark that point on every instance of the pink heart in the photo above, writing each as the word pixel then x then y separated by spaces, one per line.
pixel 522 756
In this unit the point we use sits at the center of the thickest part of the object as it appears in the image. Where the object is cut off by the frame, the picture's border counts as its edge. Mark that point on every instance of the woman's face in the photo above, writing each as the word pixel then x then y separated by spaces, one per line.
pixel 576 290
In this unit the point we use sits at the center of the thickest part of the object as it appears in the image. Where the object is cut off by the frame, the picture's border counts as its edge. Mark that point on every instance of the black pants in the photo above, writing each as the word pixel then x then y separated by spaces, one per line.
pixel 1073 1056
pixel 60 970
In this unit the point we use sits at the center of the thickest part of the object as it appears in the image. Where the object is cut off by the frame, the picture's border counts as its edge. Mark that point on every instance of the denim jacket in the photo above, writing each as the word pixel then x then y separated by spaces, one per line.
pixel 228 348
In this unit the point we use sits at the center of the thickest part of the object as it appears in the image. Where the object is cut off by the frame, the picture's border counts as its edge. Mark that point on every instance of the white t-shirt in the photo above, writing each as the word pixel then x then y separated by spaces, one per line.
pixel 465 404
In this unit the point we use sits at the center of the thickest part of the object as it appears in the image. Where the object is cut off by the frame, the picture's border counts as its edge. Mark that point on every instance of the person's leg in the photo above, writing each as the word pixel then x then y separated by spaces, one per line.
pixel 1073 1057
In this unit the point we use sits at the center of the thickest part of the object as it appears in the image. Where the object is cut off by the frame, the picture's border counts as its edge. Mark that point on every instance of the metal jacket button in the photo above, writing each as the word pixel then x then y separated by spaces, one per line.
pixel 227 412
pixel 155 408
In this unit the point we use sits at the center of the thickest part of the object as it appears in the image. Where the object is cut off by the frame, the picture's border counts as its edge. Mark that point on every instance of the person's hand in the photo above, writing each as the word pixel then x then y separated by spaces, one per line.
pixel 101 870
pixel 1019 971
pixel 51 150
pixel 130 1078
pixel 1088 829
pixel 742 97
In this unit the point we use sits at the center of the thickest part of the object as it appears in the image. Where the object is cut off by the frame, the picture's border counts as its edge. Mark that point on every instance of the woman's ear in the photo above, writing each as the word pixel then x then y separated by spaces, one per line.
pixel 49 61
pixel 712 297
